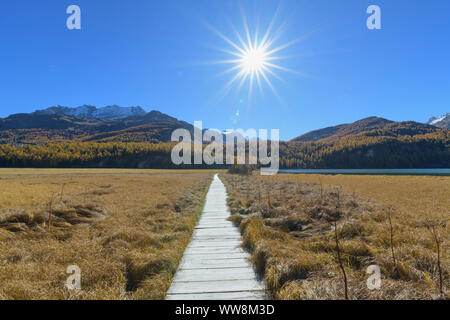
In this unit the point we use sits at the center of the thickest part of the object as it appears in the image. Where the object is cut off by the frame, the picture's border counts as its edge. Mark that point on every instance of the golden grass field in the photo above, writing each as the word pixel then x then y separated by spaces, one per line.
pixel 125 229
pixel 288 220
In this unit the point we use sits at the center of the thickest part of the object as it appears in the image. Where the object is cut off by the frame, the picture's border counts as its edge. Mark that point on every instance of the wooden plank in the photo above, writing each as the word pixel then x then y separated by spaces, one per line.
pixel 219 215
pixel 208 250
pixel 219 244
pixel 216 264
pixel 214 274
pixel 216 256
pixel 216 286
pixel 223 231
pixel 214 277
pixel 217 233
pixel 218 239
pixel 213 221
pixel 218 225
pixel 241 295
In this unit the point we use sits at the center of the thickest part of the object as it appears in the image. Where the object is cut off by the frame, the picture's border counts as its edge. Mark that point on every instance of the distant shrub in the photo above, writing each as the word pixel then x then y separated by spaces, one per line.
pixel 243 170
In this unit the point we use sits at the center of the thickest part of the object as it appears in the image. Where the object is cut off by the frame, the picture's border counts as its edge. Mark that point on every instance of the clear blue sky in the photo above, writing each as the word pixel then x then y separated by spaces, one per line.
pixel 156 54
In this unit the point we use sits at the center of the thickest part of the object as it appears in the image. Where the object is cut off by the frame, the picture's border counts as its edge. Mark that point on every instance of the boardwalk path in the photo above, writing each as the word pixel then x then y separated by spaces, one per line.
pixel 213 267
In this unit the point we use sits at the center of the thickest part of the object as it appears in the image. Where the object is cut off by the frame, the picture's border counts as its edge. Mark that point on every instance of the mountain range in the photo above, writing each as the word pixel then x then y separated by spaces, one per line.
pixel 372 126
pixel 113 137
pixel 133 124
pixel 88 111
pixel 87 123
pixel 371 143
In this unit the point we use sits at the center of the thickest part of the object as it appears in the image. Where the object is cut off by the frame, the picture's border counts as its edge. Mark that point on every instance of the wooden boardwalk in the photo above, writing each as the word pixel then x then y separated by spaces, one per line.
pixel 213 266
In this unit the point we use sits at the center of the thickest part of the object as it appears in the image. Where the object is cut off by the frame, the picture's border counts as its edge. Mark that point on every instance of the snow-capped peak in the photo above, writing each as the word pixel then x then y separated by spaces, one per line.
pixel 87 111
pixel 116 112
pixel 442 121
pixel 435 120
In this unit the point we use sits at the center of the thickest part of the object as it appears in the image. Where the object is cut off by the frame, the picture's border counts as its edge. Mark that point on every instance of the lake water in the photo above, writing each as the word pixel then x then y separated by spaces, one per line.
pixel 414 172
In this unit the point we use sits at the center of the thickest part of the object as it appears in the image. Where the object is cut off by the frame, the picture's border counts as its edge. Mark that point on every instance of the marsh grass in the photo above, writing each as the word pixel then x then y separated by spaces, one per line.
pixel 126 231
pixel 296 227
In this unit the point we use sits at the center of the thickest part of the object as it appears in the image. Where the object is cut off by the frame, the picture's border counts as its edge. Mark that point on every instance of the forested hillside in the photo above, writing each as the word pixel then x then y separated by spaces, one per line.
pixel 363 151
pixel 359 151
pixel 52 139
pixel 43 128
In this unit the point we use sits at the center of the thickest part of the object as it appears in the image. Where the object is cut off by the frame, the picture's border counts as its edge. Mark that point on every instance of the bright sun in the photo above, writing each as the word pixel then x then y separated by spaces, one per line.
pixel 253 57
pixel 254 60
